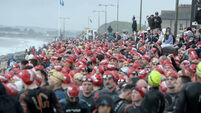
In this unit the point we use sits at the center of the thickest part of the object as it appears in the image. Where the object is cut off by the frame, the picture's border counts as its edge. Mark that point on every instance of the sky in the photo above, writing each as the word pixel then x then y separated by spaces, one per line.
pixel 44 13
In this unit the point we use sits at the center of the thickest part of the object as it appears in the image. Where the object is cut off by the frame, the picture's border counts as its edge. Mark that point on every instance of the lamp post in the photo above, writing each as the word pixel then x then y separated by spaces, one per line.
pixel 64 19
pixel 140 15
pixel 176 18
pixel 105 13
pixel 117 15
pixel 95 11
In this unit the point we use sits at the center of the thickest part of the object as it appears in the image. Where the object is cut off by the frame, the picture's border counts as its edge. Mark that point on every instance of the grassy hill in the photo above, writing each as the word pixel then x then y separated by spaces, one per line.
pixel 123 26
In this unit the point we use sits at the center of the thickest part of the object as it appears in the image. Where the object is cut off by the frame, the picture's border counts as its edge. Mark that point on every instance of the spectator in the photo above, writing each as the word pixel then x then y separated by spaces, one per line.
pixel 4 65
pixel 151 22
pixel 168 38
pixel 109 29
pixel 134 25
pixel 157 21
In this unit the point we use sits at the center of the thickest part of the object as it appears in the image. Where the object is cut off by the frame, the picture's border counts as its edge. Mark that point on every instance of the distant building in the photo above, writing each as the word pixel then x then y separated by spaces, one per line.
pixel 184 18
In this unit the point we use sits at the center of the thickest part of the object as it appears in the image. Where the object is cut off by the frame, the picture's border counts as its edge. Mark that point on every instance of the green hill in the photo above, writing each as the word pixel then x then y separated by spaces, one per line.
pixel 123 26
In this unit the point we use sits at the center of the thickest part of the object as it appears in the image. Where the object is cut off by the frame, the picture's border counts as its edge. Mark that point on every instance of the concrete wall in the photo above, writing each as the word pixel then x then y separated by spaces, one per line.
pixel 181 24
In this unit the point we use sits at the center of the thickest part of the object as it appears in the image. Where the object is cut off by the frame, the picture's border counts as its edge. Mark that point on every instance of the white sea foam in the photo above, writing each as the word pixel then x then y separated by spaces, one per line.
pixel 12 45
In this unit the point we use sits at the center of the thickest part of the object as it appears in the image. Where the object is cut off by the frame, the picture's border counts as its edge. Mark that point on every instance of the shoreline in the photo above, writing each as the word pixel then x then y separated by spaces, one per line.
pixel 18 56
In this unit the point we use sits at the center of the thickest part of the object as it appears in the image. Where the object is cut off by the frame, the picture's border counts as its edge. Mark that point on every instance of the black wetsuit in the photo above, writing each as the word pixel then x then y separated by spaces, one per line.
pixel 120 106
pixel 78 107
pixel 189 99
pixel 89 101
pixel 153 102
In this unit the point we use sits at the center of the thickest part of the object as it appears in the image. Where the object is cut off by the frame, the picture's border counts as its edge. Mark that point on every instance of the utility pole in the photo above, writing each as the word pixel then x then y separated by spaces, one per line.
pixel 176 18
pixel 140 15
pixel 192 11
pixel 105 14
pixel 117 15
pixel 98 17
pixel 58 23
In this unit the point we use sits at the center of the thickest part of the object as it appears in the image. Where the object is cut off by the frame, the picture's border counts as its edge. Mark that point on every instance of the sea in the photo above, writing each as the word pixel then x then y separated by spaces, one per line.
pixel 18 44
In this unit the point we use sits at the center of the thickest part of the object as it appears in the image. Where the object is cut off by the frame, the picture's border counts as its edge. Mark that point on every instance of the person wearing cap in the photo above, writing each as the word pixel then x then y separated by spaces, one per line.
pixel 151 22
pixel 154 101
pixel 87 94
pixel 8 103
pixel 181 81
pixel 109 86
pixel 43 74
pixel 137 95
pixel 104 104
pixel 35 99
pixel 157 20
pixel 74 104
pixel 142 83
pixel 171 82
pixel 189 99
pixel 133 75
pixel 99 58
pixel 123 100
pixel 113 60
pixel 78 79
pixel 57 78
pixel 145 60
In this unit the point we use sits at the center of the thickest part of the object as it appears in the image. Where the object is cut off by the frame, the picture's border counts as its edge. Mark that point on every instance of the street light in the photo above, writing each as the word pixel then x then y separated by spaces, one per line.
pixel 98 16
pixel 176 18
pixel 64 19
pixel 140 14
pixel 105 13
pixel 117 15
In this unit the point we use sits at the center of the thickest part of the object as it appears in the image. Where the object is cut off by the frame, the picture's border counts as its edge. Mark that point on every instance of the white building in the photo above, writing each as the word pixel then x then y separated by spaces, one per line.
pixel 184 18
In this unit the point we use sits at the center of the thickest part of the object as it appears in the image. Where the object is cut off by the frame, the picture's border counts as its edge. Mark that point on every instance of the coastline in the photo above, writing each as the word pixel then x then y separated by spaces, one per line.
pixel 18 56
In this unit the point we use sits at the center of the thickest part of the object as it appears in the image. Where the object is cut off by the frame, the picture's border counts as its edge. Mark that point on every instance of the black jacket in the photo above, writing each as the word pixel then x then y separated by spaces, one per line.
pixel 134 26
pixel 157 24
pixel 89 101
pixel 189 99
pixel 153 102
pixel 109 29
pixel 151 23
pixel 120 105
pixel 198 17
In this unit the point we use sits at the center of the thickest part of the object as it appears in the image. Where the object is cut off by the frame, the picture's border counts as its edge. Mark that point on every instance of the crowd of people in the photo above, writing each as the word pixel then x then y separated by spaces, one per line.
pixel 147 72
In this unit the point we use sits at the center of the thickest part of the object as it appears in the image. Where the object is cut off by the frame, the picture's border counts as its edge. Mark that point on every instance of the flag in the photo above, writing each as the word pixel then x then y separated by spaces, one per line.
pixel 62 2
pixel 90 20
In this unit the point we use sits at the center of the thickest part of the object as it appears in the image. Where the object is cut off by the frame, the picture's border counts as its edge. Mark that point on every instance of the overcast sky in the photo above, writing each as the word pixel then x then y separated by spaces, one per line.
pixel 44 13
